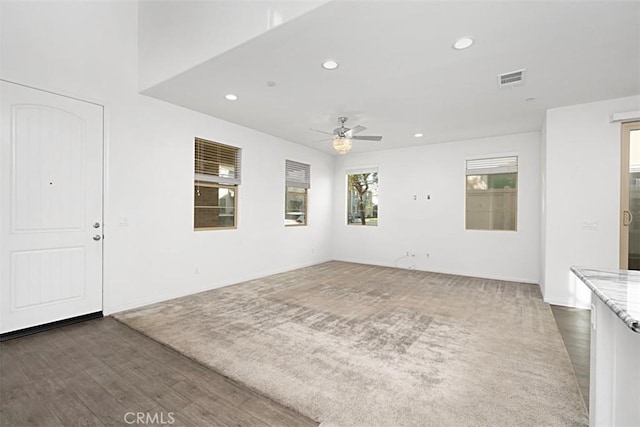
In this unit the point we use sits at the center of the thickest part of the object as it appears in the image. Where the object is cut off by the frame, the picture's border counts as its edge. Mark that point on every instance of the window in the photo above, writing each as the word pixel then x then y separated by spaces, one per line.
pixel 362 198
pixel 492 193
pixel 217 176
pixel 297 183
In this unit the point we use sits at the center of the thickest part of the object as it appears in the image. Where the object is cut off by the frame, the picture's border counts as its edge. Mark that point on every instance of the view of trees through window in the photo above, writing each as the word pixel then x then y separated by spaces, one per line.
pixel 493 182
pixel 362 199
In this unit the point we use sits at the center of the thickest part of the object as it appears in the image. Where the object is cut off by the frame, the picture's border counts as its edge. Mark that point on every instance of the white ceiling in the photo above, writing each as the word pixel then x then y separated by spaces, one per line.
pixel 398 74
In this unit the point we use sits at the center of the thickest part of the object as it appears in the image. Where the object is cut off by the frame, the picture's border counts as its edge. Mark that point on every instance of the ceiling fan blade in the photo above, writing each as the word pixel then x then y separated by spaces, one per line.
pixel 356 129
pixel 368 138
pixel 322 131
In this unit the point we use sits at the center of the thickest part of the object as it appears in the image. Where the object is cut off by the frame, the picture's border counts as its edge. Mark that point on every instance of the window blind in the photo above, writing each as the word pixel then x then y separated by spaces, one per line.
pixel 359 170
pixel 217 163
pixel 492 165
pixel 297 174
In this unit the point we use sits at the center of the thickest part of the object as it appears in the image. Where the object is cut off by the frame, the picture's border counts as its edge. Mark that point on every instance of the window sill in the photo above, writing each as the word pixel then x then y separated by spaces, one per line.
pixel 214 228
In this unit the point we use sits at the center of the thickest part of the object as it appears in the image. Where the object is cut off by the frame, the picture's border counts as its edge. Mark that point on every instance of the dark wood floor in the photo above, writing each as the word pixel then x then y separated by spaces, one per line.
pixel 101 372
pixel 574 325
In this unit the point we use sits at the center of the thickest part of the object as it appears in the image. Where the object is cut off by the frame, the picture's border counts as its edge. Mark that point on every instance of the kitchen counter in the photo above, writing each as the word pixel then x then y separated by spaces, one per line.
pixel 614 382
pixel 618 289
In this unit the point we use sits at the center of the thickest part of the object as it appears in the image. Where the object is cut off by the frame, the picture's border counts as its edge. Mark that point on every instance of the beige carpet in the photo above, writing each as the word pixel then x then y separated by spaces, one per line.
pixel 357 345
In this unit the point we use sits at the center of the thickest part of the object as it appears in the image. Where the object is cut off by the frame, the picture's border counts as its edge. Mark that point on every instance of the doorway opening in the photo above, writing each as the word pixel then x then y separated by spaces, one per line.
pixel 630 197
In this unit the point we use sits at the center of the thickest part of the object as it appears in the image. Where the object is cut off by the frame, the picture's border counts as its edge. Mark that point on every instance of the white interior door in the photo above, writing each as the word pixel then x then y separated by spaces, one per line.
pixel 50 207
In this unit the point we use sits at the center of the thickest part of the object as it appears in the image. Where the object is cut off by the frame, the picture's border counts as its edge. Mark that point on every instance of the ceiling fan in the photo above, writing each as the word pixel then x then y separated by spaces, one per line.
pixel 343 136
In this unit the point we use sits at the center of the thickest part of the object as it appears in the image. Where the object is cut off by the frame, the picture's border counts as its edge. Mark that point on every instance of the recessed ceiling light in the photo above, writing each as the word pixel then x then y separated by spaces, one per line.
pixel 418 135
pixel 463 43
pixel 231 97
pixel 330 64
pixel 271 83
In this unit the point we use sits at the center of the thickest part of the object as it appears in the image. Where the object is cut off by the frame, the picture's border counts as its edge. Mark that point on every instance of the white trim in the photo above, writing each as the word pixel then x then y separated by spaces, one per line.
pixel 624 117
pixel 63 93
pixel 350 170
pixel 453 272
pixel 492 155
pixel 106 140
pixel 564 303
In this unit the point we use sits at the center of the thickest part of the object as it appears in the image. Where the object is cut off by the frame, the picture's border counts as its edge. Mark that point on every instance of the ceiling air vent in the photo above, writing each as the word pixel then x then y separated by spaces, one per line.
pixel 513 78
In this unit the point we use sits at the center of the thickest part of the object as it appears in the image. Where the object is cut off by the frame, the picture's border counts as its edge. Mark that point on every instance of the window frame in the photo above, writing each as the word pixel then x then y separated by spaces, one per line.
pixel 220 181
pixel 297 176
pixel 235 205
pixel 493 170
pixel 361 171
pixel 306 206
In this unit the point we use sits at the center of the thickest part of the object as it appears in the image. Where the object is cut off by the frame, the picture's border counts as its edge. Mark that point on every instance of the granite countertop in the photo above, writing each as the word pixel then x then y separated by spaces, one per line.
pixel 618 289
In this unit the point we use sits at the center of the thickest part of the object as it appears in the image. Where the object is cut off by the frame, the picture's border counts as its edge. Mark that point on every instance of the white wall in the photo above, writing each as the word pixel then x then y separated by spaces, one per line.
pixel 177 35
pixel 89 50
pixel 437 226
pixel 582 190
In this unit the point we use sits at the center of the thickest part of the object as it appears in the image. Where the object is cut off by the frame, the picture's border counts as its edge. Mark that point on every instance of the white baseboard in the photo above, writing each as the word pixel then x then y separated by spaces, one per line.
pixel 565 304
pixel 452 272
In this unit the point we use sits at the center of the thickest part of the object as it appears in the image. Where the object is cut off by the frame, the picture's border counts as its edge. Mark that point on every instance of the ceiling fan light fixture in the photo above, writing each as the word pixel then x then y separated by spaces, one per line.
pixel 342 144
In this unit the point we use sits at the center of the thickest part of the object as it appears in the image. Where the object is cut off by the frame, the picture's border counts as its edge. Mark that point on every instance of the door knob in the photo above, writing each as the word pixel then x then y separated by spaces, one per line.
pixel 96 225
pixel 97 237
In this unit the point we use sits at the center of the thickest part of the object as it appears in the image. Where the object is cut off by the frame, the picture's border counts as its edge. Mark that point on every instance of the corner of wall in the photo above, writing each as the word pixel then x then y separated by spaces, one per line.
pixel 580 194
pixel 543 195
